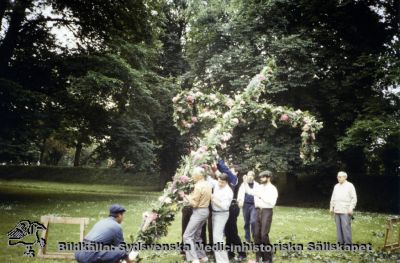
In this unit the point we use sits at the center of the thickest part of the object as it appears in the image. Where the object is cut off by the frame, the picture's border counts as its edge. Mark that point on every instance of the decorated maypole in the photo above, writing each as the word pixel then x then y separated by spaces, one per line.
pixel 222 113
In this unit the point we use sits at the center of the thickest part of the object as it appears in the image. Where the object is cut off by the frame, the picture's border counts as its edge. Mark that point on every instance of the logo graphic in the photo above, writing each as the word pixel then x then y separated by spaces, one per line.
pixel 21 231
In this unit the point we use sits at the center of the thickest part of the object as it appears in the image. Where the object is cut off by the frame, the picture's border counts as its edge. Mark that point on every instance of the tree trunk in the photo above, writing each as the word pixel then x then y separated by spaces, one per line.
pixel 78 150
pixel 10 40
pixel 42 148
pixel 168 163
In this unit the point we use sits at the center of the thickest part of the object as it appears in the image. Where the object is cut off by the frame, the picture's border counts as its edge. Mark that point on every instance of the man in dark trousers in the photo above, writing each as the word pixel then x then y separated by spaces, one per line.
pixel 108 232
pixel 231 230
pixel 265 196
pixel 246 202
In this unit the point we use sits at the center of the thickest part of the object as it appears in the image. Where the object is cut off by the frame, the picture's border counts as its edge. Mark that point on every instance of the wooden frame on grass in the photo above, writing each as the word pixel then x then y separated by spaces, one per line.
pixel 389 232
pixel 47 220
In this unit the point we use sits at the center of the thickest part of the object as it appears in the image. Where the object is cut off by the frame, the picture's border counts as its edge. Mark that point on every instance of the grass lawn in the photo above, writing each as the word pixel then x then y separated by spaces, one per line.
pixel 23 199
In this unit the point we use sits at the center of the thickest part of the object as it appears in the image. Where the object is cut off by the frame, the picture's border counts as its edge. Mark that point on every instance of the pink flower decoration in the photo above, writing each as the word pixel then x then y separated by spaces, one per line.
pixel 284 117
pixel 153 216
pixel 306 127
pixel 230 103
pixel 194 119
pixel 235 121
pixel 226 137
pixel 173 187
pixel 202 149
pixel 261 77
pixel 190 99
pixel 186 124
pixel 183 179
pixel 174 99
pixel 197 157
pixel 313 136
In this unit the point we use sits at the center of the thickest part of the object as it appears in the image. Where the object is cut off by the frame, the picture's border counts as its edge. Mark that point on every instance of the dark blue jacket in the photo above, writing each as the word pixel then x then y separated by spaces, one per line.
pixel 106 232
pixel 232 178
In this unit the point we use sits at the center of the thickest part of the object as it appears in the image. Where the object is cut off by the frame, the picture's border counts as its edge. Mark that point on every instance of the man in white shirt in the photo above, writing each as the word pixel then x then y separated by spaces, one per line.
pixel 343 202
pixel 265 196
pixel 220 201
pixel 246 202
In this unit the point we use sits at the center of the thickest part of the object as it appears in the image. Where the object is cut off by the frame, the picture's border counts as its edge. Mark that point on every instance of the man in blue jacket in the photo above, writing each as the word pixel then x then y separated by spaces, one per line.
pixel 106 232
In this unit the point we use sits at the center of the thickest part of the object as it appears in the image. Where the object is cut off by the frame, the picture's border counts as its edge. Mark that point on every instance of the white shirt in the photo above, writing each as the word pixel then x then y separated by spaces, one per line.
pixel 222 195
pixel 265 195
pixel 241 194
pixel 343 198
pixel 212 181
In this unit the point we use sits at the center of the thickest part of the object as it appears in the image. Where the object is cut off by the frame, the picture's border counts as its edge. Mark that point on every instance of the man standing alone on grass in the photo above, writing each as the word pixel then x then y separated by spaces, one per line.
pixel 107 232
pixel 265 196
pixel 343 202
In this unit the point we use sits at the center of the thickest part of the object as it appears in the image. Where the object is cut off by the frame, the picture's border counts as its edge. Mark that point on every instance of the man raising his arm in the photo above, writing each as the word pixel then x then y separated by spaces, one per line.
pixel 199 199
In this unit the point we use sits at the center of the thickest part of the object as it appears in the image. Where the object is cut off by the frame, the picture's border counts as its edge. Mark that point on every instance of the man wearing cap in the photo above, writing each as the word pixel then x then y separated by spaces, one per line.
pixel 108 232
pixel 265 196
pixel 343 202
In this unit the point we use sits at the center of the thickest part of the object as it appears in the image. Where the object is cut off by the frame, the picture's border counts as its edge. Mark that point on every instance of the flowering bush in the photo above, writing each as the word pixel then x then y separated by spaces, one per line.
pixel 221 114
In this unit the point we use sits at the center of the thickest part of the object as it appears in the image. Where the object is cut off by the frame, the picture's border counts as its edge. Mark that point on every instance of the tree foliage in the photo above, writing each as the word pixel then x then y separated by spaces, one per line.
pixel 332 59
pixel 110 90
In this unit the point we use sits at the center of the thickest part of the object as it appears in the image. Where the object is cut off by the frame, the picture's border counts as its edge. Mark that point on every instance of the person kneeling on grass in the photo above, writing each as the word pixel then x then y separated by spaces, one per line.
pixel 106 232
pixel 199 199
pixel 265 196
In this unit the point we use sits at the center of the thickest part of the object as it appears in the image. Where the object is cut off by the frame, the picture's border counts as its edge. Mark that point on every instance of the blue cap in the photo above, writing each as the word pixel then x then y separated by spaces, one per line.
pixel 115 209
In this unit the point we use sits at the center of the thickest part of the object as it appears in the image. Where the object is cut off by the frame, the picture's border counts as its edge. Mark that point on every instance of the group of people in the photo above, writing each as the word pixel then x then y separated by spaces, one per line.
pixel 217 199
pixel 216 196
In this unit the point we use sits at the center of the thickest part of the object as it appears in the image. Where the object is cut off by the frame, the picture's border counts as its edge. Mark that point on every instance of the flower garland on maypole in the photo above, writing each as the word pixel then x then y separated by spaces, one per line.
pixel 223 114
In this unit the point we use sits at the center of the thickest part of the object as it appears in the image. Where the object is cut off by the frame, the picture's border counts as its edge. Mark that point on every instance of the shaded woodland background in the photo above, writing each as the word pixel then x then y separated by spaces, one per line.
pixel 103 97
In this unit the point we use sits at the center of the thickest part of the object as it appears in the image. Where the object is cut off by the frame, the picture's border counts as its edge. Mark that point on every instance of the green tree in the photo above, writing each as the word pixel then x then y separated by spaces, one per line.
pixel 73 102
pixel 328 57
